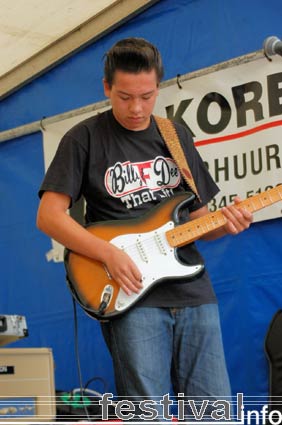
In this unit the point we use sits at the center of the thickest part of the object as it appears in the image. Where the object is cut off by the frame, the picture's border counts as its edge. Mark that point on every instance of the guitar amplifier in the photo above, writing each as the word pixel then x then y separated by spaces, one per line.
pixel 27 390
pixel 12 328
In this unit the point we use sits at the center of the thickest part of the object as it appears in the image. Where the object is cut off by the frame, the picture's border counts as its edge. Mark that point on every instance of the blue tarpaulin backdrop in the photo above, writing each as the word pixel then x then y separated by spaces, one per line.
pixel 246 270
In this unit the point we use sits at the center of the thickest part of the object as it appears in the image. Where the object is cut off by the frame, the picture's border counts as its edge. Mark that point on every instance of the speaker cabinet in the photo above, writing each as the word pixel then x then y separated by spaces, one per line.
pixel 27 390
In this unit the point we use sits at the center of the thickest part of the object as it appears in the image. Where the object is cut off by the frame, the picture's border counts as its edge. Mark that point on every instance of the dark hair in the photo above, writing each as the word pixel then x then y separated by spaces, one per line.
pixel 132 55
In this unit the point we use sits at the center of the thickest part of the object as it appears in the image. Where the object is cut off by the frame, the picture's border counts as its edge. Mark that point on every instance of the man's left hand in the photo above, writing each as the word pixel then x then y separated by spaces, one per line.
pixel 238 219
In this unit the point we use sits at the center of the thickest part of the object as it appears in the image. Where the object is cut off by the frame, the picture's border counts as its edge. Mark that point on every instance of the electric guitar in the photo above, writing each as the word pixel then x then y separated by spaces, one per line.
pixel 151 241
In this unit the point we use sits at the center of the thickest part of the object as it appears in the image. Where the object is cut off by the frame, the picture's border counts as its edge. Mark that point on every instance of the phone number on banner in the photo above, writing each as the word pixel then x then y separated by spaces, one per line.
pixel 218 203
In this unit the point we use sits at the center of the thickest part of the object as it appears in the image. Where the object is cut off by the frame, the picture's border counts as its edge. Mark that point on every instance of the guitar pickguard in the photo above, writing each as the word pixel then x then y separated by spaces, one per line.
pixel 156 260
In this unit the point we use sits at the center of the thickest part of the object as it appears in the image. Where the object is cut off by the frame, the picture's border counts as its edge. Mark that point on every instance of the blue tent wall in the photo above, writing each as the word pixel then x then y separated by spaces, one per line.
pixel 246 270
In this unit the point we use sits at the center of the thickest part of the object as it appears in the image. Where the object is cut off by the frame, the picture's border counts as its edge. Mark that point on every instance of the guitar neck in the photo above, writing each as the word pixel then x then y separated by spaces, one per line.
pixel 195 229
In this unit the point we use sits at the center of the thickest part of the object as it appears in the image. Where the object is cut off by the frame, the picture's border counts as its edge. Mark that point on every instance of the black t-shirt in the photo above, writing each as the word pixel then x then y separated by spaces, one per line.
pixel 122 174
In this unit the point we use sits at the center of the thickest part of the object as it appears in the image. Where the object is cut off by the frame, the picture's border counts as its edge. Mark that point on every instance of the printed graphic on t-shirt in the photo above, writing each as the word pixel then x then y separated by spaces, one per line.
pixel 122 180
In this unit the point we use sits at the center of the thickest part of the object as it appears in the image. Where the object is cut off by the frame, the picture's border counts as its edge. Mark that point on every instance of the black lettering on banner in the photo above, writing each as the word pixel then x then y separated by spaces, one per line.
pixel 242 101
pixel 240 174
pixel 256 170
pixel 242 105
pixel 224 200
pixel 177 117
pixel 274 85
pixel 272 153
pixel 218 169
pixel 202 113
pixel 238 166
pixel 252 192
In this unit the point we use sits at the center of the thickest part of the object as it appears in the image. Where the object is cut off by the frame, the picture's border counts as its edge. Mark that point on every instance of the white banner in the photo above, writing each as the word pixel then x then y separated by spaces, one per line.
pixel 235 115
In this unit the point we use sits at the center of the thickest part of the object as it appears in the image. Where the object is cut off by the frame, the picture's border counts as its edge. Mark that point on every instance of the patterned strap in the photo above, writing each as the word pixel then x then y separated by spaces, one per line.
pixel 171 139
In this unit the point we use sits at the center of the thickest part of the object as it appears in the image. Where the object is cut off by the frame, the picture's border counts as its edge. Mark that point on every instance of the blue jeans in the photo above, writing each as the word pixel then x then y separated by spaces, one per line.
pixel 156 348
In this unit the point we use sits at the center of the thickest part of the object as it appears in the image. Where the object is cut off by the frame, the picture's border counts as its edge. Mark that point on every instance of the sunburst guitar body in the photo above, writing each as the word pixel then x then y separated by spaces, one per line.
pixel 152 241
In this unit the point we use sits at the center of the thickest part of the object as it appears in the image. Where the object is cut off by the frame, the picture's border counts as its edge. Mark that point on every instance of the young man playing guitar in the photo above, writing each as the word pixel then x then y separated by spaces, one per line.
pixel 121 165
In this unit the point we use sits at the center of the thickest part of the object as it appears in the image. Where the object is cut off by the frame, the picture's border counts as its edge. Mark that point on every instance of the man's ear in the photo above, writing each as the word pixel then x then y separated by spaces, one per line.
pixel 107 89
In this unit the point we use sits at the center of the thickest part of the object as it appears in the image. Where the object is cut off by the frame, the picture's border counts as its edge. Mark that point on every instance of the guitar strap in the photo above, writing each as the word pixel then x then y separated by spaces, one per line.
pixel 169 134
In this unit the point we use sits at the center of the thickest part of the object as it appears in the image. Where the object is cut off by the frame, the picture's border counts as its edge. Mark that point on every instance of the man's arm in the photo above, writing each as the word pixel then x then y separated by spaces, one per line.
pixel 238 220
pixel 53 219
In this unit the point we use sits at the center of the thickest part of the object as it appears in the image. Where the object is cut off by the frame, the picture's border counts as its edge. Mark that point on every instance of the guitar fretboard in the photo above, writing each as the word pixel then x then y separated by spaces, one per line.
pixel 195 229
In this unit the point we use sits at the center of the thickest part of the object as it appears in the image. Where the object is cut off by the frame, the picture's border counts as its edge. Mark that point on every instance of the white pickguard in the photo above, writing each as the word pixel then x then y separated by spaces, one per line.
pixel 155 259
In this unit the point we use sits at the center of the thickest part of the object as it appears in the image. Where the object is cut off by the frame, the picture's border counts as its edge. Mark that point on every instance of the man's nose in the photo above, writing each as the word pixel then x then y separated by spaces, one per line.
pixel 136 105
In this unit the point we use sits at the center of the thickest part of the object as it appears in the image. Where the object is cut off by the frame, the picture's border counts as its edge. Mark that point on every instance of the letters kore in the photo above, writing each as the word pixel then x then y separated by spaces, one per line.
pixel 252 90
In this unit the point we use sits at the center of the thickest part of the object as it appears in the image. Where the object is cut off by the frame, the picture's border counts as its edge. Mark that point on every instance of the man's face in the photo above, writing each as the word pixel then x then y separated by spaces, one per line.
pixel 133 98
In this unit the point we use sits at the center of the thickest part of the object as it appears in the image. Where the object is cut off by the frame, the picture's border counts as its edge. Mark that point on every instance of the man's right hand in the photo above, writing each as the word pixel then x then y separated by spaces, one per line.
pixel 123 270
